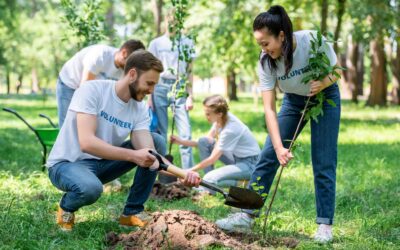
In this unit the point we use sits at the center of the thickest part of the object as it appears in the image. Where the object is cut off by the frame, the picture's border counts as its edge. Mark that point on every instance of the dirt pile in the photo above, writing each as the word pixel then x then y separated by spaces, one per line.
pixel 174 190
pixel 176 229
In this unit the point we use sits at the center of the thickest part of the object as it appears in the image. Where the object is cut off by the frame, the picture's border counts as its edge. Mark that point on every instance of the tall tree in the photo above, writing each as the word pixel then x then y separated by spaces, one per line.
pixel 110 21
pixel 395 66
pixel 372 19
pixel 86 20
pixel 324 15
pixel 157 13
pixel 395 55
pixel 341 7
pixel 378 90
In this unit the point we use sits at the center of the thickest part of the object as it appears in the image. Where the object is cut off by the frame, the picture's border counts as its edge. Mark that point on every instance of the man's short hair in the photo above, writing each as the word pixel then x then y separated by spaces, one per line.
pixel 143 60
pixel 132 45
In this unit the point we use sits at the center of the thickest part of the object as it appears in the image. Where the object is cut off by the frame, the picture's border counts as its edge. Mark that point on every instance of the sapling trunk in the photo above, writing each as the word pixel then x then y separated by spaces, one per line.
pixel 282 167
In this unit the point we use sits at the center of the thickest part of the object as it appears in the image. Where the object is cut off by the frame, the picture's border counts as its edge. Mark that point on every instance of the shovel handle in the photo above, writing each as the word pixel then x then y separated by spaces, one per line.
pixel 182 174
pixel 176 171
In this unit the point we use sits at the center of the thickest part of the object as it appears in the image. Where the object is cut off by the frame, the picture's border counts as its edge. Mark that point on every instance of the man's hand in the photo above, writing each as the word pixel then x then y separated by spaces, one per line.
pixel 143 158
pixel 189 103
pixel 192 179
pixel 284 156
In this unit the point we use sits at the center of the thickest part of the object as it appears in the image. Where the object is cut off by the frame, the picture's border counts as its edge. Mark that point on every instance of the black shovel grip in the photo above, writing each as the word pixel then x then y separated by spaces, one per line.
pixel 212 187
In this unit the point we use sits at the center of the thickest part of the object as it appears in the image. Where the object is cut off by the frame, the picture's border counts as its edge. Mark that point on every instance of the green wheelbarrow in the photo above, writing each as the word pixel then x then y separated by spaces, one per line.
pixel 46 136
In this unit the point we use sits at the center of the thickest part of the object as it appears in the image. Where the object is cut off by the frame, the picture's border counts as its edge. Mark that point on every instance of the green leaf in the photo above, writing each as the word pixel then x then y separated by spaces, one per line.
pixel 331 102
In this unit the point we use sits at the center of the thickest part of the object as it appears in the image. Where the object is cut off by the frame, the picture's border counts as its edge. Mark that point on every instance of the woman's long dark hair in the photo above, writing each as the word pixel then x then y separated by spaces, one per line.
pixel 274 21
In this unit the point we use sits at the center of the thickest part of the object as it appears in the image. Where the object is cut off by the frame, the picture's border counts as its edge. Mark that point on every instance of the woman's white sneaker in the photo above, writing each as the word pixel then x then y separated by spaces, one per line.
pixel 237 222
pixel 324 233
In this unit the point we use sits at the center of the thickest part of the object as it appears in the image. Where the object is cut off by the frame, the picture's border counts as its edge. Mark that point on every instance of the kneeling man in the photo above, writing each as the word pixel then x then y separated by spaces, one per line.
pixel 90 148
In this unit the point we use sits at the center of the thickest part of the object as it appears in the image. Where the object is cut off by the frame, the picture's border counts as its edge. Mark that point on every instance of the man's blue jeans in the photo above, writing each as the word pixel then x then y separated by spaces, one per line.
pixel 64 96
pixel 83 180
pixel 161 103
pixel 324 137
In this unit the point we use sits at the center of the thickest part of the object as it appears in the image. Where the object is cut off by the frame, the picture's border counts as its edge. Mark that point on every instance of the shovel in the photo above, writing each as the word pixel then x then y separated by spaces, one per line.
pixel 235 197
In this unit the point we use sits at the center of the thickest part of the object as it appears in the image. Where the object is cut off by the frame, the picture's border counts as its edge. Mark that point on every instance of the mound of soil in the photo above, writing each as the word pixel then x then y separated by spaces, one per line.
pixel 176 229
pixel 174 190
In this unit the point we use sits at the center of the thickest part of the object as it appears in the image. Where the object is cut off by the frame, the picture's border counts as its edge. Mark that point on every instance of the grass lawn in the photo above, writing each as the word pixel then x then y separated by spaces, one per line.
pixel 368 186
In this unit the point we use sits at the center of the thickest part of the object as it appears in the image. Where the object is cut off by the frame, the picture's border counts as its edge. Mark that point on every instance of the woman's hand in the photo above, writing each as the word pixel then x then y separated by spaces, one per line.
pixel 189 103
pixel 284 156
pixel 316 87
pixel 175 139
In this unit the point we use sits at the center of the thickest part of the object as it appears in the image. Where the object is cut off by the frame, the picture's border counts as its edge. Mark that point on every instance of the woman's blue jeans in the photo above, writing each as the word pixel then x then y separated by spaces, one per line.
pixel 324 138
pixel 83 180
pixel 236 169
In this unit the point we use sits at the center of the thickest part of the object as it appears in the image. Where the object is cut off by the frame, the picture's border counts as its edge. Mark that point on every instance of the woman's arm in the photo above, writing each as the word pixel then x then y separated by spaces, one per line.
pixel 177 140
pixel 190 143
pixel 215 155
pixel 271 120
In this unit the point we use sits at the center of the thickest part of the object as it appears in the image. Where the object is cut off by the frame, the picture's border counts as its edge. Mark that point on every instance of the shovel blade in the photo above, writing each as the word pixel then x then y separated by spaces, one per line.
pixel 243 198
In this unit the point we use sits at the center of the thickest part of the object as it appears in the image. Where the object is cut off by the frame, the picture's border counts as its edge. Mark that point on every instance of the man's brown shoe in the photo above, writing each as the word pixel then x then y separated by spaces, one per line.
pixel 137 220
pixel 65 219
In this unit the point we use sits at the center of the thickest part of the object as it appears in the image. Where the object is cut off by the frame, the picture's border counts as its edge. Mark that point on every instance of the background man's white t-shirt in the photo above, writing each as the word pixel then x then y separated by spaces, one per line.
pixel 116 119
pixel 291 83
pixel 235 138
pixel 98 59
pixel 161 48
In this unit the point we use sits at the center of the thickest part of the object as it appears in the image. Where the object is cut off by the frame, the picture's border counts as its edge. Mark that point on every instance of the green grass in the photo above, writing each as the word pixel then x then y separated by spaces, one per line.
pixel 368 190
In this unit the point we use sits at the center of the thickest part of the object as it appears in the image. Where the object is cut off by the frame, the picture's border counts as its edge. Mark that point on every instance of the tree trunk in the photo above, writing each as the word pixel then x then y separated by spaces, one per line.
pixel 351 65
pixel 231 85
pixel 8 80
pixel 360 70
pixel 378 91
pixel 19 83
pixel 157 13
pixel 395 66
pixel 324 15
pixel 35 81
pixel 341 10
pixel 110 20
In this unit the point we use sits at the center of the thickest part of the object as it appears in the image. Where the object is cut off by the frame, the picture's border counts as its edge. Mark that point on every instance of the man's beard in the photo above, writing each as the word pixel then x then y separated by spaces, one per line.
pixel 133 90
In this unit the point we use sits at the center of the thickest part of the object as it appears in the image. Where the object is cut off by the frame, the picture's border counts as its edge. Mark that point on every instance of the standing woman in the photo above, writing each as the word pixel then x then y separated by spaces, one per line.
pixel 228 140
pixel 284 62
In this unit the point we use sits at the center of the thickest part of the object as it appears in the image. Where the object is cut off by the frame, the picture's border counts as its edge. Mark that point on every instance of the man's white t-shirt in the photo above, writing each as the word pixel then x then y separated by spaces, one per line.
pixel 291 83
pixel 98 59
pixel 161 48
pixel 116 119
pixel 235 138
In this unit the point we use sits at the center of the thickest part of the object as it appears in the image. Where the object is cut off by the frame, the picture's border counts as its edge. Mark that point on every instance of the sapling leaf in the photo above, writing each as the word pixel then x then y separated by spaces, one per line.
pixel 331 102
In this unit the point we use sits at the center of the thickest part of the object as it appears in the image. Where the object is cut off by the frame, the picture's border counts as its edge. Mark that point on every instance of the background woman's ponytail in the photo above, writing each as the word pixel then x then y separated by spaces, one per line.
pixel 217 104
pixel 274 21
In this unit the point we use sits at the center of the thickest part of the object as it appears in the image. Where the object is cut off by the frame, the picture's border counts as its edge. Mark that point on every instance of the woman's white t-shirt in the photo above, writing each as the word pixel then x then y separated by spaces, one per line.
pixel 291 83
pixel 235 138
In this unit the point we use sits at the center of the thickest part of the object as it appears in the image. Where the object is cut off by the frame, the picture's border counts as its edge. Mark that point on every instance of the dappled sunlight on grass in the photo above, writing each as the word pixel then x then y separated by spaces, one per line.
pixel 368 191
